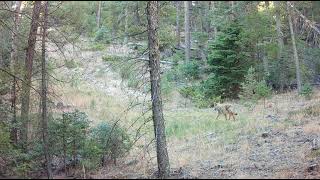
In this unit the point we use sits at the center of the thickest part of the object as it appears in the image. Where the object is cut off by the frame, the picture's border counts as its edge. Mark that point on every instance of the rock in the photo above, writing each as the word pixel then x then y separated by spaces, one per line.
pixel 219 166
pixel 59 105
pixel 265 135
pixel 314 145
pixel 313 167
pixel 133 162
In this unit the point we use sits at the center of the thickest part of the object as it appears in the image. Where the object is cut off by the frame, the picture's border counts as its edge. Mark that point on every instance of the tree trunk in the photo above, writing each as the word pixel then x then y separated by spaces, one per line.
pixel 264 54
pixel 25 98
pixel 126 24
pixel 187 30
pixel 295 53
pixel 280 44
pixel 215 30
pixel 178 6
pixel 114 23
pixel 203 14
pixel 136 14
pixel 157 114
pixel 98 17
pixel 265 61
pixel 232 10
pixel 44 117
pixel 64 152
pixel 14 70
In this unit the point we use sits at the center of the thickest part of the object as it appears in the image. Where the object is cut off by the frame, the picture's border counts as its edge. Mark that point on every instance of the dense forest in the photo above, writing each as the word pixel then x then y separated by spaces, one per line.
pixel 159 89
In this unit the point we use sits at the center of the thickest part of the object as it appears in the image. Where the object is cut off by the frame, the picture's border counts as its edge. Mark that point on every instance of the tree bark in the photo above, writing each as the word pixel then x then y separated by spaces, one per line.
pixel 187 30
pixel 178 6
pixel 278 26
pixel 98 17
pixel 215 30
pixel 280 43
pixel 294 47
pixel 232 10
pixel 264 54
pixel 44 117
pixel 136 13
pixel 25 98
pixel 126 24
pixel 157 114
pixel 14 70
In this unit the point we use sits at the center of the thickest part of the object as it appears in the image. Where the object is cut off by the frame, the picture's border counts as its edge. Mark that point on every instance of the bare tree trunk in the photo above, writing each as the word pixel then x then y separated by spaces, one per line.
pixel 187 30
pixel 278 26
pixel 157 114
pixel 136 13
pixel 64 152
pixel 25 98
pixel 126 24
pixel 178 7
pixel 14 70
pixel 295 53
pixel 280 43
pixel 114 23
pixel 215 30
pixel 44 117
pixel 232 10
pixel 264 54
pixel 203 14
pixel 98 17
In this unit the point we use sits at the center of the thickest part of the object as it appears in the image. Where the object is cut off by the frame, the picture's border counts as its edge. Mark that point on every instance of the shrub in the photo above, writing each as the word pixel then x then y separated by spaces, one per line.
pixel 306 91
pixel 189 70
pixel 184 72
pixel 108 58
pixel 166 85
pixel 262 90
pixel 70 64
pixel 195 93
pixel 103 35
pixel 112 140
pixel 249 85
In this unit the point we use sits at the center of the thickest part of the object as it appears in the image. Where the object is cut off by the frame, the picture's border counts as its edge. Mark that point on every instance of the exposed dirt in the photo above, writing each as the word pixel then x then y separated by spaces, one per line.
pixel 276 150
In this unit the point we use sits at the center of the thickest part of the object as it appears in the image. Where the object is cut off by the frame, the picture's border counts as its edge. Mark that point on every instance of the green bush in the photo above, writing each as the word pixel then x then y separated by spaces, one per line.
pixel 167 37
pixel 112 140
pixel 70 64
pixel 108 58
pixel 96 47
pixel 196 94
pixel 249 85
pixel 166 85
pixel 189 70
pixel 306 91
pixel 263 91
pixel 184 72
pixel 251 89
pixel 103 35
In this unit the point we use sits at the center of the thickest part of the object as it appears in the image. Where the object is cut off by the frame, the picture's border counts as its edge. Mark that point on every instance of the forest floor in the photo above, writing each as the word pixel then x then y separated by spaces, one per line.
pixel 276 139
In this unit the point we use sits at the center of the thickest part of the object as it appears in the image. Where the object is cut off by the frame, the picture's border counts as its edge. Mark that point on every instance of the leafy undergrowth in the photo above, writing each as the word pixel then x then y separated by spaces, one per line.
pixel 271 139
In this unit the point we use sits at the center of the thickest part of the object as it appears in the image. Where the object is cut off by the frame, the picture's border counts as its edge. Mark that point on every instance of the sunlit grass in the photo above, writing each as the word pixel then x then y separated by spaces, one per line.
pixel 194 122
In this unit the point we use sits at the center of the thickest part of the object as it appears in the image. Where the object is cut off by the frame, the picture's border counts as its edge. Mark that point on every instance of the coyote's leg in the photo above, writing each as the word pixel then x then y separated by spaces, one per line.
pixel 218 115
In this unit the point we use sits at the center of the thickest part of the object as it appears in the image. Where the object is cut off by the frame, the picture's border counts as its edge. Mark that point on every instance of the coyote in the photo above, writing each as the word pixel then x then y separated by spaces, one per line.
pixel 225 110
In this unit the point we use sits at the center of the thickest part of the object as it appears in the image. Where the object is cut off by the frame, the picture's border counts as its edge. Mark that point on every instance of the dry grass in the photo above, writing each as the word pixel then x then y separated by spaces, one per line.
pixel 194 135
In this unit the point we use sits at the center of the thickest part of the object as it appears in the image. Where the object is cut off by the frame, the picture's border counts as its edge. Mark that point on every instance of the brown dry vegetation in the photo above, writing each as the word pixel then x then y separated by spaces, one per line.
pixel 274 141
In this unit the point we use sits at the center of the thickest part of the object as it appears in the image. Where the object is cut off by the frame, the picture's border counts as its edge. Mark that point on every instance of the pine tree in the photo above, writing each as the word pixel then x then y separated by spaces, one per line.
pixel 227 63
